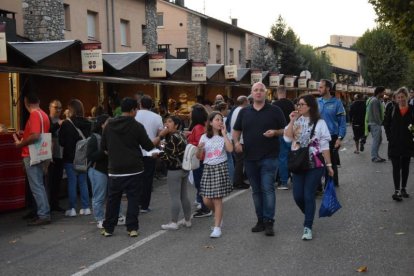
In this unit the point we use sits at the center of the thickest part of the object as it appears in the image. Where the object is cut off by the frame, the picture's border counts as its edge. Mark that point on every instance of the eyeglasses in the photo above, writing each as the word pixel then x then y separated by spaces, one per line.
pixel 300 104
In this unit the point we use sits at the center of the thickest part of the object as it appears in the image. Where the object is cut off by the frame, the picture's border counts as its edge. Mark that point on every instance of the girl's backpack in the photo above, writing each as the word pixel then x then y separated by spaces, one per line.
pixel 190 160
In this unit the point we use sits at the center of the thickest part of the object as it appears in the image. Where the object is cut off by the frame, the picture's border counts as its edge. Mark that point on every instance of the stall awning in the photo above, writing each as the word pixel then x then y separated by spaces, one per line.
pixel 241 73
pixel 212 69
pixel 173 65
pixel 40 50
pixel 119 61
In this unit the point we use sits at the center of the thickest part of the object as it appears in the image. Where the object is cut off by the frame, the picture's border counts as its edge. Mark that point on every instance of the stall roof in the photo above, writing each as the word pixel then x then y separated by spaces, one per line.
pixel 48 48
pixel 212 69
pixel 241 73
pixel 119 61
pixel 173 65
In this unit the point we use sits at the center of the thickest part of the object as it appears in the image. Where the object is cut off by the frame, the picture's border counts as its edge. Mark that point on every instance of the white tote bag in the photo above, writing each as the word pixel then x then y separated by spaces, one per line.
pixel 41 150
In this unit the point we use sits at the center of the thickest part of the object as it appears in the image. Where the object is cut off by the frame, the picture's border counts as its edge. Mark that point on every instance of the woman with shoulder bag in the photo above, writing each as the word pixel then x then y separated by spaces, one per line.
pixel 397 122
pixel 306 128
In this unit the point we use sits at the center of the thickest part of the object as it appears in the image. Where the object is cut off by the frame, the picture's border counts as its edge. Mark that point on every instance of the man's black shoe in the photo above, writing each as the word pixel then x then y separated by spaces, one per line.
pixel 269 228
pixel 404 193
pixel 203 213
pixel 241 186
pixel 38 222
pixel 361 147
pixel 378 160
pixel 259 227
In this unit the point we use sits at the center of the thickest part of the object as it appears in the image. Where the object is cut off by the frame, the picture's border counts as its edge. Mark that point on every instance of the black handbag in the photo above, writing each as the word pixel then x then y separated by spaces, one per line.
pixel 298 160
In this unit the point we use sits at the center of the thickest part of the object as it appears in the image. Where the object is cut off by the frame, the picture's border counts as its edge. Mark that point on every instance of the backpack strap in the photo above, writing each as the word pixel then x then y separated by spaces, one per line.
pixel 79 131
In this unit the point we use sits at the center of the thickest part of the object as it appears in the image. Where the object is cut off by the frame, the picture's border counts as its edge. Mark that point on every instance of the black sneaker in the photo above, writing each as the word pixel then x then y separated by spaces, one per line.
pixel 203 213
pixel 241 186
pixel 259 227
pixel 404 193
pixel 269 228
pixel 397 196
pixel 361 147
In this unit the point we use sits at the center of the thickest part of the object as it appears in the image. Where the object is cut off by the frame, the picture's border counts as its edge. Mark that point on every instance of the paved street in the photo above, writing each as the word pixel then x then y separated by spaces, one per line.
pixel 370 230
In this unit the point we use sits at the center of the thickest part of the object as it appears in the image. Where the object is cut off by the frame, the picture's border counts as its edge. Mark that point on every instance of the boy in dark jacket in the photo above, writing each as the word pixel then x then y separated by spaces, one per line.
pixel 121 139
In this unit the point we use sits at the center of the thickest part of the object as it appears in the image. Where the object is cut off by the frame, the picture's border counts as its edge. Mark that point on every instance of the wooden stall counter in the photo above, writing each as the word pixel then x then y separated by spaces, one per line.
pixel 12 176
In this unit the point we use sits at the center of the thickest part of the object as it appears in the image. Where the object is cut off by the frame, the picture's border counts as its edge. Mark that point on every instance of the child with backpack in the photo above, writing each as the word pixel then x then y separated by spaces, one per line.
pixel 215 181
pixel 174 147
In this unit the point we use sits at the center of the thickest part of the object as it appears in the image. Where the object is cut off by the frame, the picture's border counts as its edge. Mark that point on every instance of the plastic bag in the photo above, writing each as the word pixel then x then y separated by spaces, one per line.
pixel 330 203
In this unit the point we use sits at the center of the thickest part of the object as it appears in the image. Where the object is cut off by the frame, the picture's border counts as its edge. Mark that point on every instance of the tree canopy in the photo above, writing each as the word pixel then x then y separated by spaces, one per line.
pixel 399 16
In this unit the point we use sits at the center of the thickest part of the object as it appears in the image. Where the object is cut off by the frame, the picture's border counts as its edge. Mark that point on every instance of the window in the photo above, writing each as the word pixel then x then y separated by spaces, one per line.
pixel 92 25
pixel 218 54
pixel 144 33
pixel 231 61
pixel 160 19
pixel 66 18
pixel 208 50
pixel 125 33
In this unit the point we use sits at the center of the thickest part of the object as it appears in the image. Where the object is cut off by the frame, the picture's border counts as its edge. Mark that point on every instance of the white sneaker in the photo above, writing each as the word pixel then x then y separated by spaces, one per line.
pixel 187 223
pixel 307 234
pixel 85 212
pixel 99 224
pixel 198 206
pixel 170 226
pixel 216 233
pixel 70 213
pixel 121 220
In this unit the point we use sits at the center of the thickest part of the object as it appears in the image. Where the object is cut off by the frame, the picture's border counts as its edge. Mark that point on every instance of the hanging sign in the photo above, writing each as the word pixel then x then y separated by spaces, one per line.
pixel 3 47
pixel 312 85
pixel 157 65
pixel 92 58
pixel 274 79
pixel 289 81
pixel 230 72
pixel 255 76
pixel 338 87
pixel 198 71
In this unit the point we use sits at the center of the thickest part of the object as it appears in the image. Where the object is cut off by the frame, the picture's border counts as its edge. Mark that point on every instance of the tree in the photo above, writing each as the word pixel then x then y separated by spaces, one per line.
pixel 263 57
pixel 399 16
pixel 385 62
pixel 318 64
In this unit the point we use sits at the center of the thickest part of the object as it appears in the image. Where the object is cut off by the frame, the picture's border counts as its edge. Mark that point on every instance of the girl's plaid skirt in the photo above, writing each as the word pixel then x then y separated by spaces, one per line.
pixel 215 182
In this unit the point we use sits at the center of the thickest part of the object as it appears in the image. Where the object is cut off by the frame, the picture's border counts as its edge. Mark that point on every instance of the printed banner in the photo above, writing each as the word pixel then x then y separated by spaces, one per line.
pixel 289 81
pixel 255 76
pixel 312 85
pixel 302 82
pixel 92 58
pixel 274 80
pixel 157 65
pixel 199 71
pixel 3 47
pixel 230 72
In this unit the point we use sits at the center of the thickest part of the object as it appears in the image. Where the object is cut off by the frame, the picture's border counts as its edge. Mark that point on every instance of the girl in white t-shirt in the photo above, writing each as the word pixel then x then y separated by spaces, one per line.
pixel 215 182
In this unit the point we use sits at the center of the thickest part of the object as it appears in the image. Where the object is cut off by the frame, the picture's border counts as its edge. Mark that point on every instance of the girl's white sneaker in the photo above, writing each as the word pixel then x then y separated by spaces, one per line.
pixel 170 226
pixel 216 233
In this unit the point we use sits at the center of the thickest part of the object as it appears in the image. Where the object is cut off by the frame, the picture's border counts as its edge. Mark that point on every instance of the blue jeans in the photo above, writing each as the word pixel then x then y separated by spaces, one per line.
pixel 230 165
pixel 99 182
pixel 35 176
pixel 197 181
pixel 261 174
pixel 73 179
pixel 283 161
pixel 376 132
pixel 304 192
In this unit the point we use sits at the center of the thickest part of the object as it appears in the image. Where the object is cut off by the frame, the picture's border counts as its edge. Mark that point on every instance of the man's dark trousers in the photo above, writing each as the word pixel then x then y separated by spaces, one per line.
pixel 148 179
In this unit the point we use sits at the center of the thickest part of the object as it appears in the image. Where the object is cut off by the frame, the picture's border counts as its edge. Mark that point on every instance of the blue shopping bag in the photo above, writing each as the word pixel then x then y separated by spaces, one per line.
pixel 330 203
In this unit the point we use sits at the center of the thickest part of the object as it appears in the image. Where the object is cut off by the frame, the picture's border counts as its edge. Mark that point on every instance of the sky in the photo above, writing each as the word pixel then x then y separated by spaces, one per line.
pixel 312 20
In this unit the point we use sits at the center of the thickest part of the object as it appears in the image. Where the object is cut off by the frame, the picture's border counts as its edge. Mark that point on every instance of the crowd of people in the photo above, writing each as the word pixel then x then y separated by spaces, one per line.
pixel 239 147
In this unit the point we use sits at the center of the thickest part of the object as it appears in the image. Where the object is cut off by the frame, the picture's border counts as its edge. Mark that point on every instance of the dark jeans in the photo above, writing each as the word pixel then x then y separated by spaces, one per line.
pixel 334 160
pixel 238 168
pixel 147 180
pixel 54 181
pixel 400 171
pixel 304 192
pixel 197 180
pixel 116 186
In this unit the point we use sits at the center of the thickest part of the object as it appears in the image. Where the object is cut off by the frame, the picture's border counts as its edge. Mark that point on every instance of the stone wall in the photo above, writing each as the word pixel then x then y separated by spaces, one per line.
pixel 43 19
pixel 196 38
pixel 243 51
pixel 150 33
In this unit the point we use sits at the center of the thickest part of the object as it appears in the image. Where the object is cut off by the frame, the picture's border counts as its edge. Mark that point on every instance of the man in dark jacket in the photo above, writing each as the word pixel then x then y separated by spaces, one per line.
pixel 122 139
pixel 357 118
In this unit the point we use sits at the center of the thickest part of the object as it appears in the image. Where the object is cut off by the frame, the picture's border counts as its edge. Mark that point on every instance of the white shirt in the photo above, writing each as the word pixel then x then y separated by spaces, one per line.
pixel 152 123
pixel 233 121
pixel 215 152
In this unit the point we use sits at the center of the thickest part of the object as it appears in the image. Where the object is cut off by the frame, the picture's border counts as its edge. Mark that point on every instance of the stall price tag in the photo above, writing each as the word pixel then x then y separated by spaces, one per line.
pixel 92 61
pixel 255 76
pixel 199 71
pixel 157 65
pixel 230 72
pixel 3 47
